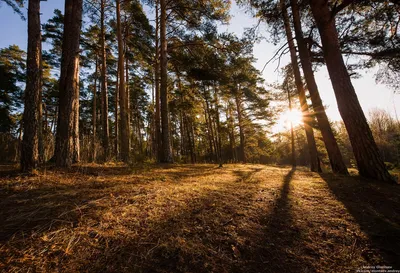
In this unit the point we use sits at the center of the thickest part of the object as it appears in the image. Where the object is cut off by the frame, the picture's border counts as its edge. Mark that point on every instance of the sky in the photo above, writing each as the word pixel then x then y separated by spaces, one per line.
pixel 370 94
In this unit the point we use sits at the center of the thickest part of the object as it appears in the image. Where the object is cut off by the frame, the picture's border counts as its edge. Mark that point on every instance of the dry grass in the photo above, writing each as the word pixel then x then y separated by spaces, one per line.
pixel 195 218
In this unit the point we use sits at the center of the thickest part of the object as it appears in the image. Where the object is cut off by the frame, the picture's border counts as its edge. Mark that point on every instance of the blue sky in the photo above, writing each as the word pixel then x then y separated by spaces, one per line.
pixel 371 95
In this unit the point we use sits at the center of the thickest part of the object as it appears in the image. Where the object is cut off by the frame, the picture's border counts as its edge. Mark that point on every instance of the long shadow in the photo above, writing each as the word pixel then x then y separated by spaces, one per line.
pixel 30 210
pixel 197 238
pixel 282 250
pixel 211 232
pixel 376 208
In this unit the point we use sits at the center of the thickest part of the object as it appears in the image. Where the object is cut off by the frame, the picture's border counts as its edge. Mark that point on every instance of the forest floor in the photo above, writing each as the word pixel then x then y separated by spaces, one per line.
pixel 195 218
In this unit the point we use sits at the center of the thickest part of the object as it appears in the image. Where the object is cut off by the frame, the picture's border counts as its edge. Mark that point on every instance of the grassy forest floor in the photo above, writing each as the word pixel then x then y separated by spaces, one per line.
pixel 195 218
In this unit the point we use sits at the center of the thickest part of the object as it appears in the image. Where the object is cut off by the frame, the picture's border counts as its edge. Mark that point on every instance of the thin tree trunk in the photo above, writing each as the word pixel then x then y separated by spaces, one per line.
pixel 94 112
pixel 166 143
pixel 157 83
pixel 218 126
pixel 307 120
pixel 29 151
pixel 75 133
pixel 123 103
pixel 210 143
pixel 369 161
pixel 40 117
pixel 210 126
pixel 104 92
pixel 128 99
pixel 231 129
pixel 69 84
pixel 241 130
pixel 334 154
pixel 293 159
pixel 116 127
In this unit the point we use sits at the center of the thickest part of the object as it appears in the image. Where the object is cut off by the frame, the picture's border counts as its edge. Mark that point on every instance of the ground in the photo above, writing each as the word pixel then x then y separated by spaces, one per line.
pixel 195 218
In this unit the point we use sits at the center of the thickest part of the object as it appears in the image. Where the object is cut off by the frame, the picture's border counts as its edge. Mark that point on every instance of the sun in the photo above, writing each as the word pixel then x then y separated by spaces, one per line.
pixel 287 117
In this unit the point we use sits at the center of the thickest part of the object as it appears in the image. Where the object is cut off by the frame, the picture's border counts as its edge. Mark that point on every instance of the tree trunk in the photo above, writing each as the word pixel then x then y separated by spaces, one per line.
pixel 241 129
pixel 307 120
pixel 123 103
pixel 157 87
pixel 69 85
pixel 365 150
pixel 293 159
pixel 166 143
pixel 40 115
pixel 75 134
pixel 219 140
pixel 104 92
pixel 128 99
pixel 29 151
pixel 116 114
pixel 231 129
pixel 210 127
pixel 94 112
pixel 334 154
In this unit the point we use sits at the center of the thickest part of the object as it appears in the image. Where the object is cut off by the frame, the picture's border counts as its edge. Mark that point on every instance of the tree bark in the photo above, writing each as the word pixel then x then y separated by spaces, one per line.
pixel 104 92
pixel 334 154
pixel 241 129
pixel 29 150
pixel 366 153
pixel 116 114
pixel 75 134
pixel 230 123
pixel 307 120
pixel 293 158
pixel 123 102
pixel 166 143
pixel 157 87
pixel 219 130
pixel 94 112
pixel 69 85
pixel 209 132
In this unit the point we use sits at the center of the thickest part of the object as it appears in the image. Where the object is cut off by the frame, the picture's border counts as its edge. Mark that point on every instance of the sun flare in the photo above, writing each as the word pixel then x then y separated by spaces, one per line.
pixel 290 117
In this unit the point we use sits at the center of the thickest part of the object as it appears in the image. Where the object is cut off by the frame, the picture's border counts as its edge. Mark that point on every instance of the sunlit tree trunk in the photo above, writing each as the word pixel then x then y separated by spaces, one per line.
pixel 230 121
pixel 157 87
pixel 334 154
pixel 166 143
pixel 369 161
pixel 69 85
pixel 116 114
pixel 104 91
pixel 75 133
pixel 94 112
pixel 293 158
pixel 123 102
pixel 29 151
pixel 209 133
pixel 210 126
pixel 241 129
pixel 307 120
pixel 219 139
pixel 40 115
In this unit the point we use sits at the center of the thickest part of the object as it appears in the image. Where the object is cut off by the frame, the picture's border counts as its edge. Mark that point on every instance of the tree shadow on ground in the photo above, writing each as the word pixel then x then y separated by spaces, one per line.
pixel 34 213
pixel 376 208
pixel 87 226
pixel 282 244
pixel 223 230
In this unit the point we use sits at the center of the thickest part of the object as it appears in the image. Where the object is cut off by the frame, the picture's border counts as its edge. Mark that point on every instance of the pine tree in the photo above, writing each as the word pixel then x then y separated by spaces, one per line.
pixel 31 117
pixel 67 138
pixel 369 161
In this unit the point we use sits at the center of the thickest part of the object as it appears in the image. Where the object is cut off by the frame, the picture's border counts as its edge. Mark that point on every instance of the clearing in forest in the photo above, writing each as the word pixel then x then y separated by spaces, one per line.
pixel 196 218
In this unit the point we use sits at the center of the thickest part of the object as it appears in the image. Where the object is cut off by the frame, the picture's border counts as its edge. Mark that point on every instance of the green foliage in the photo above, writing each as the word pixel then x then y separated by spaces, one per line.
pixel 12 77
